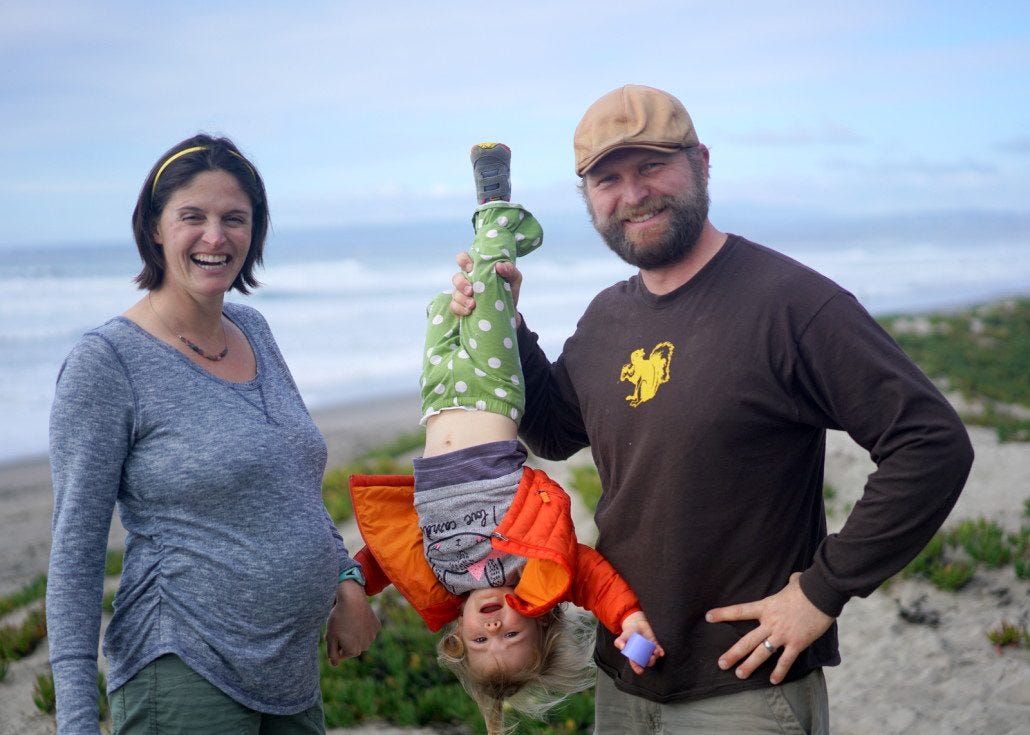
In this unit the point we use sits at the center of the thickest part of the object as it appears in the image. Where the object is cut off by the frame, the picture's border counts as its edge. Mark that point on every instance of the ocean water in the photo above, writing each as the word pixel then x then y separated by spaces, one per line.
pixel 347 305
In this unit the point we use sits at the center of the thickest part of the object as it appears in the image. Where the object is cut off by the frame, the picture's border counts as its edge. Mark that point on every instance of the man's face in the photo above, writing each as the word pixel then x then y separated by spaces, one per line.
pixel 649 206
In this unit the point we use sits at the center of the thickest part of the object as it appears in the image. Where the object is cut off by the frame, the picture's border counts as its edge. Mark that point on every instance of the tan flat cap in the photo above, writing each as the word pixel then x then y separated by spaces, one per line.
pixel 632 116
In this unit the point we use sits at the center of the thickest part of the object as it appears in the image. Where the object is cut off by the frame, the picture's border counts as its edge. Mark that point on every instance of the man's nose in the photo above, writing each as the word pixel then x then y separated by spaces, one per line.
pixel 635 190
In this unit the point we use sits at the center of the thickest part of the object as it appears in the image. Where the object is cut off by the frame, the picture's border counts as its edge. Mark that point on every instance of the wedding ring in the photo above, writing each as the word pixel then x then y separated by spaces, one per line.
pixel 769 646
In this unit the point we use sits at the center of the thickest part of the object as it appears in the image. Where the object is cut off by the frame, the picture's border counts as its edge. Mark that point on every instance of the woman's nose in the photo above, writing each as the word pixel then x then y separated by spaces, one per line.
pixel 214 233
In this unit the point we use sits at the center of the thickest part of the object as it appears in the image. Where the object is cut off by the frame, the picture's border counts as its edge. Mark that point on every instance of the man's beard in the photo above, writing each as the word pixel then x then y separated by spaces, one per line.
pixel 689 214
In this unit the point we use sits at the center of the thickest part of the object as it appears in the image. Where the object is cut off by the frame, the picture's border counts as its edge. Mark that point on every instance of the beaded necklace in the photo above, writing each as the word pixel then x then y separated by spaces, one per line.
pixel 188 342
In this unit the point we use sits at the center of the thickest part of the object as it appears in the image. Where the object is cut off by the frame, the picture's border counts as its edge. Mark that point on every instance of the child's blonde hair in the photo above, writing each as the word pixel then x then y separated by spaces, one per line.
pixel 563 665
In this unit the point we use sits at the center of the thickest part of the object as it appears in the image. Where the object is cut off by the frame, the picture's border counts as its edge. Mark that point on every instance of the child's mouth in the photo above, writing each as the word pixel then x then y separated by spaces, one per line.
pixel 491 608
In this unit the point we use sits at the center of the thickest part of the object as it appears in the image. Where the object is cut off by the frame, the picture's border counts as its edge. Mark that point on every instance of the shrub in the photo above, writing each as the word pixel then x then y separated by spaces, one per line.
pixel 933 564
pixel 931 556
pixel 952 576
pixel 31 592
pixel 1007 634
pixel 587 483
pixel 103 706
pixel 983 540
pixel 380 461
pixel 18 641
pixel 1020 543
pixel 113 562
pixel 388 680
pixel 43 694
pixel 982 352
pixel 398 680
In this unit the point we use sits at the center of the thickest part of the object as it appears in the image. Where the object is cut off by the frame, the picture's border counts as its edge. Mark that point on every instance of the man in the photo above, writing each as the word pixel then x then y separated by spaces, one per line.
pixel 704 386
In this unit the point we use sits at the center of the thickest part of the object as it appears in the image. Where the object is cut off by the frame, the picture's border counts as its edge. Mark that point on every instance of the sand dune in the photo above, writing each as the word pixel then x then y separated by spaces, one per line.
pixel 897 677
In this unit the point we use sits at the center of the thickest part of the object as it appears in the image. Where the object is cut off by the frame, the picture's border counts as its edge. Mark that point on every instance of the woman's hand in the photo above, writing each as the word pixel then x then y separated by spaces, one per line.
pixel 637 623
pixel 352 625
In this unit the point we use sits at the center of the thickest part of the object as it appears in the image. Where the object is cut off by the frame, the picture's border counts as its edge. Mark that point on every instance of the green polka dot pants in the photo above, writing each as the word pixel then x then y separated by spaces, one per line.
pixel 472 362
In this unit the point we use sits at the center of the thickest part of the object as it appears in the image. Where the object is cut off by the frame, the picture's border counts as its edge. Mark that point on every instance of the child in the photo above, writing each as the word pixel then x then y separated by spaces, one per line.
pixel 481 543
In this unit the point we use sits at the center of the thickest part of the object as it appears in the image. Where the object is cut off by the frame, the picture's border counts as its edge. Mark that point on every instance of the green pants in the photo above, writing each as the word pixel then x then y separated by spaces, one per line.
pixel 798 707
pixel 472 362
pixel 168 697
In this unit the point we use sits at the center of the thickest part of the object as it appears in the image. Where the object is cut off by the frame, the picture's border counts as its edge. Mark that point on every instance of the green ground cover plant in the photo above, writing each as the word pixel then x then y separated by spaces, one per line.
pixel 398 680
pixel 43 694
pixel 936 565
pixel 379 461
pixel 950 558
pixel 29 593
pixel 113 562
pixel 982 352
pixel 1021 552
pixel 983 540
pixel 1009 635
pixel 587 483
pixel 19 640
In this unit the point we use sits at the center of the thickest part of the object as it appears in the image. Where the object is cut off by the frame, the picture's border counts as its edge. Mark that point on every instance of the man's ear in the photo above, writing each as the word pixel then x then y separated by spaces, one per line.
pixel 704 153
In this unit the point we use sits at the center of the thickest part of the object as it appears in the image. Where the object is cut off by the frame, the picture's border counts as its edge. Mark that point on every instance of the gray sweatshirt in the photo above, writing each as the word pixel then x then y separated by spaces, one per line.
pixel 231 559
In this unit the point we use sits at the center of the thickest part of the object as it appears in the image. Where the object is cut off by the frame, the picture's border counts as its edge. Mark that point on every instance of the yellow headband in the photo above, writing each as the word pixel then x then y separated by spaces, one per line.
pixel 183 152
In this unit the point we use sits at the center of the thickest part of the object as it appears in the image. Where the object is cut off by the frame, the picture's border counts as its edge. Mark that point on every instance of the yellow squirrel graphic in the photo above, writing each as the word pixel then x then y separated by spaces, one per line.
pixel 647 373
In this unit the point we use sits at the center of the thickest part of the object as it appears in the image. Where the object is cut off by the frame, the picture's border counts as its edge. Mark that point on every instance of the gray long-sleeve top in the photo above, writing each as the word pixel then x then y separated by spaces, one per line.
pixel 231 559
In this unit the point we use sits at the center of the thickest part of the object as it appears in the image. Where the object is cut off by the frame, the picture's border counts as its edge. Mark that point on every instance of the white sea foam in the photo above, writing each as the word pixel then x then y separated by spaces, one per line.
pixel 350 318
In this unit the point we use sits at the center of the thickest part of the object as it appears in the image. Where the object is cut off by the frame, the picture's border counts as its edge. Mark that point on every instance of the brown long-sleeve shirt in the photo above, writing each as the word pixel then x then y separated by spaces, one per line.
pixel 706 411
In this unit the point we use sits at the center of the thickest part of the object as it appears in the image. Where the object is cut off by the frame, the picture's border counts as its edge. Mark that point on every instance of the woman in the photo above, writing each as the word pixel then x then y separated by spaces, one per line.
pixel 182 413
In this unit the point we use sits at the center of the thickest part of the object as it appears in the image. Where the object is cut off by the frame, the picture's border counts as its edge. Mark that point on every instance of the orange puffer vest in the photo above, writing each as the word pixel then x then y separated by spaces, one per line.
pixel 538 526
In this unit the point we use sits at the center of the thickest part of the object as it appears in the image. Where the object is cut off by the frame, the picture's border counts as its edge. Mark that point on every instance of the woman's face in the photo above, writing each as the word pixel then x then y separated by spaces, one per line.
pixel 205 232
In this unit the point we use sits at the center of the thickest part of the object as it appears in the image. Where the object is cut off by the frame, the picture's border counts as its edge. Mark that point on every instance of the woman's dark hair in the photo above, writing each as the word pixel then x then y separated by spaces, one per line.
pixel 176 169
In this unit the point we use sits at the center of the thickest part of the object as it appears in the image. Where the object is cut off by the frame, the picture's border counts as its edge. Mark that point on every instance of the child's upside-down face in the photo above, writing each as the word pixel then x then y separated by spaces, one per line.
pixel 496 637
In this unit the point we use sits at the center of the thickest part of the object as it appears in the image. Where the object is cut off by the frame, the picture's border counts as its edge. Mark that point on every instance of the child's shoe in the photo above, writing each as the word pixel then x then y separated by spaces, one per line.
pixel 491 164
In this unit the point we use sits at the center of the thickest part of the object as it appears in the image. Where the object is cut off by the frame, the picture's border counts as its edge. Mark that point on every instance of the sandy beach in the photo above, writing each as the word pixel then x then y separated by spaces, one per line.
pixel 896 676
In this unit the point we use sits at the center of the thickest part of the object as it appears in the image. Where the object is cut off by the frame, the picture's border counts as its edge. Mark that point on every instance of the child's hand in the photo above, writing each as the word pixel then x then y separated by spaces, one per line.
pixel 637 623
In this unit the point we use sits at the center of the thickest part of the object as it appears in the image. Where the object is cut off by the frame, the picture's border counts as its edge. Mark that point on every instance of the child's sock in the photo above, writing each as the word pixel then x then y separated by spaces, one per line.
pixel 491 164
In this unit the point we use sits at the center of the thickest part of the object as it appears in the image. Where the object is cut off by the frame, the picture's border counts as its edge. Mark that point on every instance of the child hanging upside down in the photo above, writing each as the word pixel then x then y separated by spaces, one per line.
pixel 477 541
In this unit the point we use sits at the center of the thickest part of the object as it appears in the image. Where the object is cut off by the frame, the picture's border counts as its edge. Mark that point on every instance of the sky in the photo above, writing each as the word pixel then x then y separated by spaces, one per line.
pixel 895 114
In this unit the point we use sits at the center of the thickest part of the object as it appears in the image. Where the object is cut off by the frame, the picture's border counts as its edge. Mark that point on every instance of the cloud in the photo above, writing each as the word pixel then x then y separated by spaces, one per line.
pixel 801 135
pixel 1019 144
pixel 916 166
pixel 352 112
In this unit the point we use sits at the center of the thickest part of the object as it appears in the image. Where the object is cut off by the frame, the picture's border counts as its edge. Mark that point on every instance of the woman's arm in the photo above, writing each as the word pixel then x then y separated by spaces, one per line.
pixel 91 429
